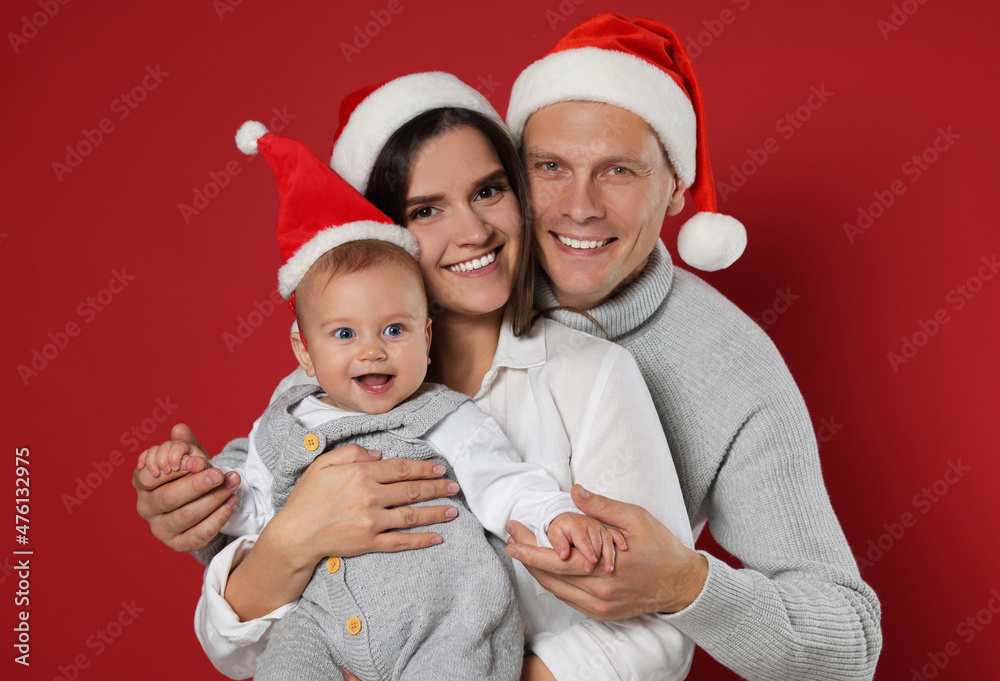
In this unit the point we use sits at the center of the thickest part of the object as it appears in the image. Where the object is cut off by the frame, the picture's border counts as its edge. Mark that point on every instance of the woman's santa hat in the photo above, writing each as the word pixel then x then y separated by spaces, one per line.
pixel 369 117
pixel 639 65
pixel 317 209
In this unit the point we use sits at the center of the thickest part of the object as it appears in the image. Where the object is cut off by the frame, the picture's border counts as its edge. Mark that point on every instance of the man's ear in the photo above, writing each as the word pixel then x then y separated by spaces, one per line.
pixel 427 335
pixel 676 204
pixel 301 354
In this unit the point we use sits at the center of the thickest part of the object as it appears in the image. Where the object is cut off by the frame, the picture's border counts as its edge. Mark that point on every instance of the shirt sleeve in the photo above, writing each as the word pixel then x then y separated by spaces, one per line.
pixel 620 451
pixel 498 485
pixel 231 645
pixel 255 505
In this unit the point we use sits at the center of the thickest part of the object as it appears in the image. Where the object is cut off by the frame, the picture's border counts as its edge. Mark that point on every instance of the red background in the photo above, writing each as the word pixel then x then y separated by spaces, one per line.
pixel 887 432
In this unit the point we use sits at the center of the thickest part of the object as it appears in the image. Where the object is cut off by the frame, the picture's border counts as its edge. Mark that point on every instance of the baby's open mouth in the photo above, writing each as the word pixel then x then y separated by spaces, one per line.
pixel 373 380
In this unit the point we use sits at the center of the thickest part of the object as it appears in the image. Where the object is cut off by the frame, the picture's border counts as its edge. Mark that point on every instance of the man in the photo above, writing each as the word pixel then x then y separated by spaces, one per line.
pixel 613 134
pixel 613 131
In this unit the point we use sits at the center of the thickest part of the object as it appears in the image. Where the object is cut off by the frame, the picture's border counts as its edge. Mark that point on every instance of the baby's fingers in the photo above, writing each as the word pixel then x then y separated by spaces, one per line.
pixel 618 538
pixel 148 460
pixel 608 550
pixel 560 543
pixel 589 544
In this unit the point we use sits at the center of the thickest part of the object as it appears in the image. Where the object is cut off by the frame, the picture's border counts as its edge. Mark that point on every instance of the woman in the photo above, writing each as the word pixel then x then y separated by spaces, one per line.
pixel 572 403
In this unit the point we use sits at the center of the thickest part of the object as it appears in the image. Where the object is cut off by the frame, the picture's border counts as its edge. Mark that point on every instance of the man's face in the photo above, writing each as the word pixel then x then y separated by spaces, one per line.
pixel 600 189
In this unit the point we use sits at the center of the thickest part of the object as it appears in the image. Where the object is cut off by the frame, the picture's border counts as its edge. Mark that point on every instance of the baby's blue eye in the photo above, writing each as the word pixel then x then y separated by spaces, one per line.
pixel 393 330
pixel 343 334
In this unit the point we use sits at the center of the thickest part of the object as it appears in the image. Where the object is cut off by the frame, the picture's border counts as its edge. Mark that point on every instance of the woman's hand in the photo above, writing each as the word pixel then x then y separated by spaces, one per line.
pixel 657 574
pixel 187 506
pixel 344 505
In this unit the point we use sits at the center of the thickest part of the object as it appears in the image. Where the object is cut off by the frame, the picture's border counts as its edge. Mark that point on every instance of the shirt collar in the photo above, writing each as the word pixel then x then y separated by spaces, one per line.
pixel 622 312
pixel 524 352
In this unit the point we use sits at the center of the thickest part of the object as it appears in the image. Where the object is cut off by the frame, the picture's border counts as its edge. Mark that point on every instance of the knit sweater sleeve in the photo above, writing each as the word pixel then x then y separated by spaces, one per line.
pixel 798 609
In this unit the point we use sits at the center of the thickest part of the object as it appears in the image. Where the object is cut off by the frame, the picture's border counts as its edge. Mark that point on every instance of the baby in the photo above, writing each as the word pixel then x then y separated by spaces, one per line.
pixel 364 334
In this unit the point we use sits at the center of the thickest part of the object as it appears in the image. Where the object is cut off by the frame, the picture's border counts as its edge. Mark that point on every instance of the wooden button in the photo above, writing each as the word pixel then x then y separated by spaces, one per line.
pixel 332 564
pixel 353 626
pixel 311 442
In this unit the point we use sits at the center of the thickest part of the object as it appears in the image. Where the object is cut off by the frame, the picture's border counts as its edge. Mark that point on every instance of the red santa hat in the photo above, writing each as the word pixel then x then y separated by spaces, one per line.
pixel 369 117
pixel 639 65
pixel 317 209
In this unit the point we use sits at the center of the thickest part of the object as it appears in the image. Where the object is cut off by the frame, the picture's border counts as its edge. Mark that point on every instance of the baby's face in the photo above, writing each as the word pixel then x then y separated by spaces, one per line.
pixel 368 338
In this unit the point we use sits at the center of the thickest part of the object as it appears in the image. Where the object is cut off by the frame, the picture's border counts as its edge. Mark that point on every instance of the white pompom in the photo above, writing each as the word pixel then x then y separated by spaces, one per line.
pixel 247 136
pixel 711 241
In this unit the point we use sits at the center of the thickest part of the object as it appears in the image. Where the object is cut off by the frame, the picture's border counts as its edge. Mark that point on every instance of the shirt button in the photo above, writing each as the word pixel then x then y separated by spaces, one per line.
pixel 332 564
pixel 353 626
pixel 311 442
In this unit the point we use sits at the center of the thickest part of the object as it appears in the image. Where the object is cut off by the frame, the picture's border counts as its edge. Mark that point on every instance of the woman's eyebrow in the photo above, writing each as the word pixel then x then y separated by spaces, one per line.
pixel 422 199
pixel 495 175
pixel 430 198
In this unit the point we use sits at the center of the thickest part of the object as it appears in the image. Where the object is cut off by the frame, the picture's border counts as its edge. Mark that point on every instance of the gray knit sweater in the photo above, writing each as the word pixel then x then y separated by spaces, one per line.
pixel 411 610
pixel 748 463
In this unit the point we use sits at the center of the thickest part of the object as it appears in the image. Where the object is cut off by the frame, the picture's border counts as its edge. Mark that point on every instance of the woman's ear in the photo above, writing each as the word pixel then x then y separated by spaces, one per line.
pixel 427 336
pixel 301 354
pixel 676 204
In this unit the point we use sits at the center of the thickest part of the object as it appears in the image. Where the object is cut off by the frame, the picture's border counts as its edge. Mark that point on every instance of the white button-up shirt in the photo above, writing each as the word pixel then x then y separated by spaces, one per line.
pixel 579 407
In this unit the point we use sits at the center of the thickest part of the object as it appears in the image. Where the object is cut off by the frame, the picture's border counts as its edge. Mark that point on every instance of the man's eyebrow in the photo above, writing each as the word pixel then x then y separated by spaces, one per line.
pixel 628 160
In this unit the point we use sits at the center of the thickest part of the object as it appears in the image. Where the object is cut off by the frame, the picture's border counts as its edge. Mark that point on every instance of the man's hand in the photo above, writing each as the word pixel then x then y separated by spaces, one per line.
pixel 656 574
pixel 187 506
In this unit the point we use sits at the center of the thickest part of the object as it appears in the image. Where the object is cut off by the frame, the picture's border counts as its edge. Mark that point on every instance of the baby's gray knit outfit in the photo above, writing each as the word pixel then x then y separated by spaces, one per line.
pixel 444 612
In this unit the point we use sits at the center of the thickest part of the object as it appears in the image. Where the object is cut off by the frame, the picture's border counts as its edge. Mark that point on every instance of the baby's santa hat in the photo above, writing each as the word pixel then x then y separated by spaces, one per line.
pixel 317 209
pixel 369 117
pixel 639 65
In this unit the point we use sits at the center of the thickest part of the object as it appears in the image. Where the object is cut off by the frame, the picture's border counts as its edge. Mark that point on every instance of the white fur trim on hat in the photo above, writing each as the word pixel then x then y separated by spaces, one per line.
pixel 390 107
pixel 711 241
pixel 592 74
pixel 291 272
pixel 247 136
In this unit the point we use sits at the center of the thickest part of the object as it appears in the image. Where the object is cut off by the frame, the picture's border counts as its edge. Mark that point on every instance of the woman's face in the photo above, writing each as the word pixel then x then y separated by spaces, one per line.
pixel 467 221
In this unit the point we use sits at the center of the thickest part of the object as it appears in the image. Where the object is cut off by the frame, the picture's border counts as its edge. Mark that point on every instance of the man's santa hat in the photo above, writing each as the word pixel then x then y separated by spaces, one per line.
pixel 317 209
pixel 639 65
pixel 369 117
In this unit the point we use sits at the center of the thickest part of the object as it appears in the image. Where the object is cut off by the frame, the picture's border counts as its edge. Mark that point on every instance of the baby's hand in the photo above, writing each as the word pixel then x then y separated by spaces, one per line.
pixel 591 537
pixel 173 457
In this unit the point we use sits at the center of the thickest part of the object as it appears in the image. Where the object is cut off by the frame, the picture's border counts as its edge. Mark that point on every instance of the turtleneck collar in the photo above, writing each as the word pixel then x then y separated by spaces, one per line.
pixel 625 310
